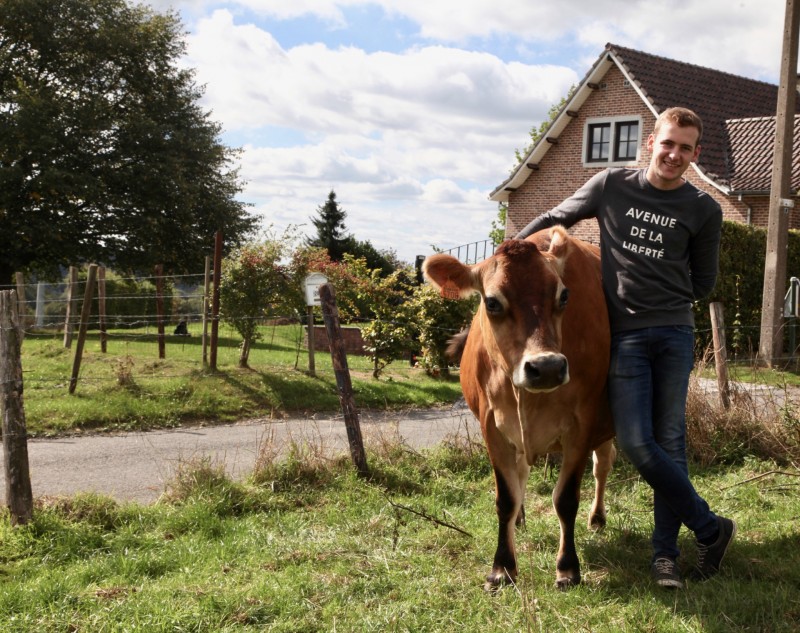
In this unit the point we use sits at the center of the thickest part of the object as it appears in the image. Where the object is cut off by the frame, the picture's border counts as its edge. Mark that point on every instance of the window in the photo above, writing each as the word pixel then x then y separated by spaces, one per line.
pixel 611 141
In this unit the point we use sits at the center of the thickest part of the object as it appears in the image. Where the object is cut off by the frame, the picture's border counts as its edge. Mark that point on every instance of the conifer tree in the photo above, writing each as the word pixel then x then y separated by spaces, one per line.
pixel 331 229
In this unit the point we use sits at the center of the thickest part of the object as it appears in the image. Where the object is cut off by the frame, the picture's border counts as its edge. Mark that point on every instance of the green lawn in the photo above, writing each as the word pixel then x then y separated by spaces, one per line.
pixel 129 387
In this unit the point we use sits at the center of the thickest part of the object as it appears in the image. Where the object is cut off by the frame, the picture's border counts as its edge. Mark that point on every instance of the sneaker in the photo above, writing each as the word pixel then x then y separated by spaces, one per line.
pixel 709 557
pixel 666 573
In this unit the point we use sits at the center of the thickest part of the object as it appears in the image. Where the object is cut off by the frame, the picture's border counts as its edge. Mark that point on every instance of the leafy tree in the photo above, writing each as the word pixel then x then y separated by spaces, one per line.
pixel 255 285
pixel 331 229
pixel 498 232
pixel 105 154
pixel 385 262
pixel 437 320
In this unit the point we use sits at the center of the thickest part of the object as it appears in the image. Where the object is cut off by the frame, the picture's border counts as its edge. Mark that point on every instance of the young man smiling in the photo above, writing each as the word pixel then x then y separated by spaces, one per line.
pixel 659 250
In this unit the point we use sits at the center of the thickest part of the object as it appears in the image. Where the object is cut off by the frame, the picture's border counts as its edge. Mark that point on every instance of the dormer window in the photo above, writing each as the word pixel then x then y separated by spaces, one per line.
pixel 611 141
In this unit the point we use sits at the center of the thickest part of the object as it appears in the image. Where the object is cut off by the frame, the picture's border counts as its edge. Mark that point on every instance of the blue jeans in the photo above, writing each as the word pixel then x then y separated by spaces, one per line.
pixel 648 382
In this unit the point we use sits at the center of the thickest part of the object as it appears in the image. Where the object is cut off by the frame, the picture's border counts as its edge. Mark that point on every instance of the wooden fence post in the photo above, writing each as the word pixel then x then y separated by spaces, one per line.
pixel 19 496
pixel 215 299
pixel 101 307
pixel 330 313
pixel 206 304
pixel 162 346
pixel 86 311
pixel 72 300
pixel 720 354
pixel 22 310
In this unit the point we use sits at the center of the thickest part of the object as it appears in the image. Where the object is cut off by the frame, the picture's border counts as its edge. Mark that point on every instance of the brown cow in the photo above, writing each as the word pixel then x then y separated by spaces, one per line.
pixel 533 371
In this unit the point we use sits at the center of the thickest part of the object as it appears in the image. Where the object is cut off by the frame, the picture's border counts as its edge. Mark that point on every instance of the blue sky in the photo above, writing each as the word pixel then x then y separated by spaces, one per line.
pixel 411 110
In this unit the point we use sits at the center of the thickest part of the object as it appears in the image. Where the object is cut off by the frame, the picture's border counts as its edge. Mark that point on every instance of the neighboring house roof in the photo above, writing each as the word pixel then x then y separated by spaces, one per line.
pixel 716 96
pixel 751 158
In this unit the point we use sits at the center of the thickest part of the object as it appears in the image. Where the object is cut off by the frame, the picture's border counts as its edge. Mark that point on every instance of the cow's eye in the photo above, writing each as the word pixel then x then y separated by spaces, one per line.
pixel 562 298
pixel 493 306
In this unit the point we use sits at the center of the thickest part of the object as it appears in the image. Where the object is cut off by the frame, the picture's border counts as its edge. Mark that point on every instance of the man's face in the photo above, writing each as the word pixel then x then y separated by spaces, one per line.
pixel 674 148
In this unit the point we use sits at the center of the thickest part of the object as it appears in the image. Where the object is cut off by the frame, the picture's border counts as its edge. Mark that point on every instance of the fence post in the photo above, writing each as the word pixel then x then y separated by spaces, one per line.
pixel 72 299
pixel 720 354
pixel 39 319
pixel 22 310
pixel 86 311
pixel 19 495
pixel 101 307
pixel 330 313
pixel 206 286
pixel 162 351
pixel 215 299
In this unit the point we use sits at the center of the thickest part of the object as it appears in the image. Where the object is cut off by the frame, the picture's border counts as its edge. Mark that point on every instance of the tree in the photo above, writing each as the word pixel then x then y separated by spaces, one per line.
pixel 331 229
pixel 105 154
pixel 255 285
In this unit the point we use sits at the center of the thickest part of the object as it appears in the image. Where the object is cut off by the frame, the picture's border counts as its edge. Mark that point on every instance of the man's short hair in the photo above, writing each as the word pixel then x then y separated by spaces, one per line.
pixel 682 117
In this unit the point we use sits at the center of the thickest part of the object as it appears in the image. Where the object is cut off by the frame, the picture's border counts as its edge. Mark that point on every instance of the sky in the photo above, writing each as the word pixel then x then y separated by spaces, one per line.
pixel 411 110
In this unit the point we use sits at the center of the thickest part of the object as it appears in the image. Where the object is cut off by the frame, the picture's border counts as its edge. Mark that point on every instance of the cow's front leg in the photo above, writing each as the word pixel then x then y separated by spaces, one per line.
pixel 566 497
pixel 510 475
pixel 508 505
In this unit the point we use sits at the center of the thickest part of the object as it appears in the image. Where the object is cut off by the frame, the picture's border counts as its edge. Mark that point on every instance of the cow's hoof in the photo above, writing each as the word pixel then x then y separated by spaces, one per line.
pixel 497 580
pixel 597 522
pixel 564 583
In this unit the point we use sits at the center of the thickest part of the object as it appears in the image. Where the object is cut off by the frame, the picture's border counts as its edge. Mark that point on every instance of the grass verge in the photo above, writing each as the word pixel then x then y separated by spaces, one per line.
pixel 308 546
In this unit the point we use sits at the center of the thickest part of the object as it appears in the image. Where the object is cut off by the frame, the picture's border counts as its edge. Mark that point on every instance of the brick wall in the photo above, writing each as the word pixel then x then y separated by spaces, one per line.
pixel 561 171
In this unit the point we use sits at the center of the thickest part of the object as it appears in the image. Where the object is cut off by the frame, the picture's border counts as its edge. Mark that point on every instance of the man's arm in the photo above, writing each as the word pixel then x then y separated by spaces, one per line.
pixel 704 256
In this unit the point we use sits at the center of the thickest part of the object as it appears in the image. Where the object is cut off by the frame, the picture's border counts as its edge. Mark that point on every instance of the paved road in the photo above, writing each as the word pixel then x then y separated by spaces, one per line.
pixel 136 466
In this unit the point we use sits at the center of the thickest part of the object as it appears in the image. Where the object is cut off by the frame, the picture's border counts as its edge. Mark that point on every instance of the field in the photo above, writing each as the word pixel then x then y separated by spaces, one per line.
pixel 130 388
pixel 305 545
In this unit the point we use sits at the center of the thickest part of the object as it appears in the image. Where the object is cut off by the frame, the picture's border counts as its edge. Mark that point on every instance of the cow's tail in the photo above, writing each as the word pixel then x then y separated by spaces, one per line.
pixel 455 346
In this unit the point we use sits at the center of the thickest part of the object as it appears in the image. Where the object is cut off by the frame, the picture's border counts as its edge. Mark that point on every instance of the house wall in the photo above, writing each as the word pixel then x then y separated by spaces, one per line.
pixel 561 171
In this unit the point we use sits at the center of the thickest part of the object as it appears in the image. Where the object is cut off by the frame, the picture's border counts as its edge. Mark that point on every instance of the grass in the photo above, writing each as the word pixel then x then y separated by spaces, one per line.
pixel 130 388
pixel 312 547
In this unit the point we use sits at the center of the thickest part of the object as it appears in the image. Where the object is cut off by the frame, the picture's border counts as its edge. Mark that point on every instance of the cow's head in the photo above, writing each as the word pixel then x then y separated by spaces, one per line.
pixel 523 300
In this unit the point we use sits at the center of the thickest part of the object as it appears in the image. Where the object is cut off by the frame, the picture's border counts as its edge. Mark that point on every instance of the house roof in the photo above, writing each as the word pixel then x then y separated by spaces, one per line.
pixel 716 96
pixel 751 158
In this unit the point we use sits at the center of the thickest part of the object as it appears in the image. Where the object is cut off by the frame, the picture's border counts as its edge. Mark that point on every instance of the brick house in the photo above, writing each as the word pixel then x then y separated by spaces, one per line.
pixel 609 116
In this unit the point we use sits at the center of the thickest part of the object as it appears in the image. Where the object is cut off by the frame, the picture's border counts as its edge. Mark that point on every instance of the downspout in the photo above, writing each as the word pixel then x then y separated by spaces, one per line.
pixel 749 210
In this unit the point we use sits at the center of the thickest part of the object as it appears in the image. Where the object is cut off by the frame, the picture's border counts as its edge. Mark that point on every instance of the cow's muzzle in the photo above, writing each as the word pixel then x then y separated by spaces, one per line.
pixel 543 372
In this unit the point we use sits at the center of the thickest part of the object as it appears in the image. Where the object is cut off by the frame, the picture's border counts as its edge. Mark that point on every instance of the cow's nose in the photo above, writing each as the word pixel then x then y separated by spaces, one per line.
pixel 545 372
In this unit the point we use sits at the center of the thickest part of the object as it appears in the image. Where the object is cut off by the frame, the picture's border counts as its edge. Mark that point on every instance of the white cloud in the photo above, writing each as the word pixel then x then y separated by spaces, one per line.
pixel 413 138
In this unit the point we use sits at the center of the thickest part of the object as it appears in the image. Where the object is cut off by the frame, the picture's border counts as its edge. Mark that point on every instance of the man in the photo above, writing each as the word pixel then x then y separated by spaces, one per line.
pixel 659 246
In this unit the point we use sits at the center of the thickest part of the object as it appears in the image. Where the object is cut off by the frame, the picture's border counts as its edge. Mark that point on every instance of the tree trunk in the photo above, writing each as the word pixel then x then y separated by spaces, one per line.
pixel 244 354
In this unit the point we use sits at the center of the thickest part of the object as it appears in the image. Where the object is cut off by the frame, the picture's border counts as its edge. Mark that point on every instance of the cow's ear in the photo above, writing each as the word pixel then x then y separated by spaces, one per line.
pixel 449 276
pixel 559 246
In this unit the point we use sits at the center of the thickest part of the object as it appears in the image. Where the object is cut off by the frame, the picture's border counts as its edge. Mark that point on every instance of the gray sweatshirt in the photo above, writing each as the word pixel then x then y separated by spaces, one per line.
pixel 659 250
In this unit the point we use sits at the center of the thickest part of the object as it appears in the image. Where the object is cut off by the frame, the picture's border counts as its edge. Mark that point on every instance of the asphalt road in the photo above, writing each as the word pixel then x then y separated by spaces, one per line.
pixel 137 466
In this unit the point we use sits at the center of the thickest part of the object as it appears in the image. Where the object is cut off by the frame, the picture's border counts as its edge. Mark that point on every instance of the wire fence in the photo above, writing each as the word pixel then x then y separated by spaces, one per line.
pixel 131 316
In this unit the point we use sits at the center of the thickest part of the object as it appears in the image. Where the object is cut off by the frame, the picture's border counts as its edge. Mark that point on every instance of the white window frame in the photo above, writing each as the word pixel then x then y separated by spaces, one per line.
pixel 613 122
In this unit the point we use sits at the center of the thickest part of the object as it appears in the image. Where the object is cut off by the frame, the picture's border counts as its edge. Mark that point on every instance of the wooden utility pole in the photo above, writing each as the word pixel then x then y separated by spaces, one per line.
pixel 780 204
pixel 19 496
pixel 330 314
